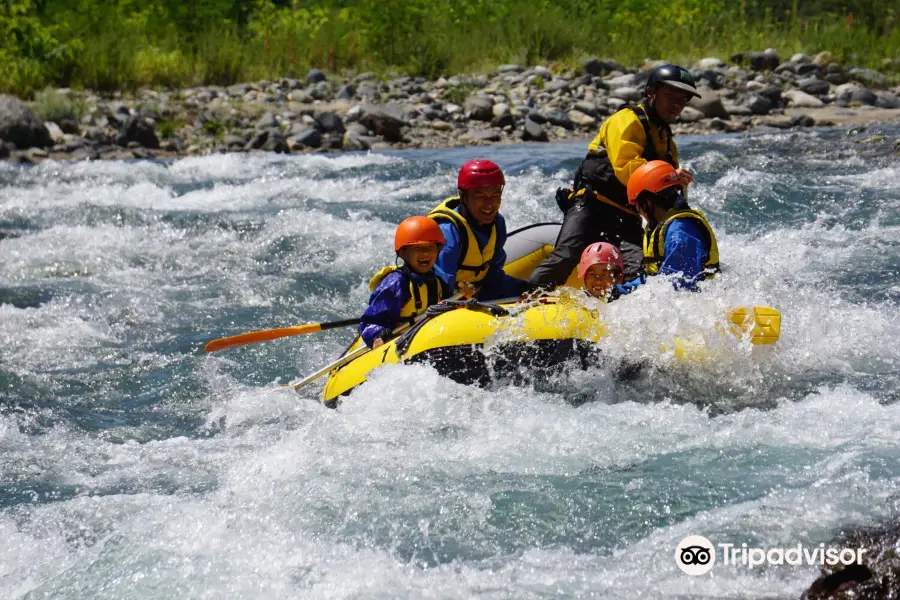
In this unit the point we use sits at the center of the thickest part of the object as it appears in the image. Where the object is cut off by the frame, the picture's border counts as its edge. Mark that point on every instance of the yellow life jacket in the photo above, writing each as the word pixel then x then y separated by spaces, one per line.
pixel 475 262
pixel 655 241
pixel 420 296
pixel 626 130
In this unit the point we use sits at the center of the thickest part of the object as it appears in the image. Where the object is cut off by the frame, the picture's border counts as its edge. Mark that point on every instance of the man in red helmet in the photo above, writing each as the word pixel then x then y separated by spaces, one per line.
pixel 597 209
pixel 475 233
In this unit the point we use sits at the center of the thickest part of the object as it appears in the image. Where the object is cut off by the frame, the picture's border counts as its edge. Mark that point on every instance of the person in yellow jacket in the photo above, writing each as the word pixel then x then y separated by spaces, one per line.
pixel 597 208
pixel 678 240
pixel 402 292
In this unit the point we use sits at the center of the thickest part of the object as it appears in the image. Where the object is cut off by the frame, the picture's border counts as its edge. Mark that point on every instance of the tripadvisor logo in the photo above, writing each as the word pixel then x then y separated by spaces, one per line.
pixel 696 555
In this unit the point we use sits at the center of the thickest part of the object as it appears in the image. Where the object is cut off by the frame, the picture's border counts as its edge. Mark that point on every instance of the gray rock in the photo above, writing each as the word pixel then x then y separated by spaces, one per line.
pixel 588 108
pixel 4 151
pixel 536 116
pixel 758 61
pixel 800 99
pixel 626 94
pixel 787 67
pixel 234 141
pixel 708 63
pixel 581 119
pixel 346 92
pixel 501 109
pixel 600 67
pixel 56 133
pixel 543 72
pixel 557 85
pixel 19 125
pixel 718 124
pixel 560 119
pixel 487 135
pixel 385 120
pixel 353 142
pixel 620 81
pixel 357 129
pixel 276 142
pixel 258 140
pixel 801 59
pixel 534 132
pixel 887 100
pixel 713 79
pixel 808 69
pixel 300 96
pixel 709 104
pixel 330 122
pixel 690 115
pixel 758 105
pixel 816 87
pixel 510 69
pixel 863 96
pixel 315 76
pixel 135 129
pixel 479 108
pixel 615 103
pixel 802 121
pixel 772 93
pixel 267 121
pixel 310 138
pixel 867 77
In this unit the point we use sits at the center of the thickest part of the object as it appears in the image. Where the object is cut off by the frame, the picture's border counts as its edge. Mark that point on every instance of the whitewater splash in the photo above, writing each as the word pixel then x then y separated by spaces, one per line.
pixel 132 464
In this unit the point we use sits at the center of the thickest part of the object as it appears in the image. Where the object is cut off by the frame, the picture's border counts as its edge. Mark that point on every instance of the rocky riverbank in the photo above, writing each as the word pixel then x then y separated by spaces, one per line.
pixel 513 104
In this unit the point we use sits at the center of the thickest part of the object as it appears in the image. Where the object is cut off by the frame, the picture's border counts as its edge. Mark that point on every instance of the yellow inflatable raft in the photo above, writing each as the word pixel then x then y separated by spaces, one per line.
pixel 543 333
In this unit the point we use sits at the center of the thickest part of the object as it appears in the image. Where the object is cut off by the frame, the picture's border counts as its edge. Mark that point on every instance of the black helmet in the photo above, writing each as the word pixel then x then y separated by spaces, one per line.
pixel 673 76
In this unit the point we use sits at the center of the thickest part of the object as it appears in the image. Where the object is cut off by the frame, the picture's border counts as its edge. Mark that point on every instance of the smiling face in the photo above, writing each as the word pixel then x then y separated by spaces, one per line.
pixel 599 280
pixel 420 257
pixel 483 203
pixel 668 101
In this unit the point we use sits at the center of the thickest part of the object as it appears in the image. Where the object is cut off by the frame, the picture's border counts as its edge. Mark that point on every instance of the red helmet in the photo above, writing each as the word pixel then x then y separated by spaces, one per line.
pixel 601 253
pixel 479 173
pixel 653 177
pixel 418 230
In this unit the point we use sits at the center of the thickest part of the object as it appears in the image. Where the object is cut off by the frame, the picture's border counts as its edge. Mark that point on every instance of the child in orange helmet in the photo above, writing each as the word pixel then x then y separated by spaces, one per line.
pixel 402 292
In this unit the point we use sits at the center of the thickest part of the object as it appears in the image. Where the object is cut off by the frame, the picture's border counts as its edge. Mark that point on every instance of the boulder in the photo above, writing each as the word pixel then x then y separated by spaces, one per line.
pixel 867 77
pixel 385 120
pixel 600 67
pixel 690 115
pixel 709 104
pixel 484 135
pixel 800 99
pixel 801 59
pixel 315 76
pixel 309 138
pixel 887 100
pixel 136 129
pixel 581 119
pixel 510 69
pixel 347 92
pixel 823 58
pixel 534 132
pixel 330 122
pixel 814 86
pixel 560 119
pixel 479 108
pixel 267 121
pixel 758 105
pixel 863 96
pixel 20 126
pixel 708 63
pixel 758 61
pixel 626 93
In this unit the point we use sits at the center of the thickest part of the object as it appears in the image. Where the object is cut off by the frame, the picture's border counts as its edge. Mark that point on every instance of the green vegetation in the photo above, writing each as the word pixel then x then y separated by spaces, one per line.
pixel 123 44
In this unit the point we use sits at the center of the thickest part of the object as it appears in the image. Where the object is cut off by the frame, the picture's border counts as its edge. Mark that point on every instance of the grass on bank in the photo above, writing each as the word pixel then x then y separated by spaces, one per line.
pixel 123 44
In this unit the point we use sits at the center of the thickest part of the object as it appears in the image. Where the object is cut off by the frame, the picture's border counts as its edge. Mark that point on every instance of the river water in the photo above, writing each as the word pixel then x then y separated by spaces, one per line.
pixel 135 465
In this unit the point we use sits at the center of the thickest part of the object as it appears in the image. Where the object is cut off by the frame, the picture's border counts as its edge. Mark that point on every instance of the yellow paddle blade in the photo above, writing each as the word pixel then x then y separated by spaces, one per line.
pixel 761 323
pixel 261 336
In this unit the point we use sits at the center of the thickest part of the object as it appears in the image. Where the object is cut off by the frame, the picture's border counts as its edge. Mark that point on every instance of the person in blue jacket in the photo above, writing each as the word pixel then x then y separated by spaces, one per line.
pixel 400 293
pixel 678 240
pixel 475 233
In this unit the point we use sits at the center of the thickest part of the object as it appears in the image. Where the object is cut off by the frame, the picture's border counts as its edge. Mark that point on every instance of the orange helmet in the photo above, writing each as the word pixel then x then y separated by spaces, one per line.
pixel 653 177
pixel 418 230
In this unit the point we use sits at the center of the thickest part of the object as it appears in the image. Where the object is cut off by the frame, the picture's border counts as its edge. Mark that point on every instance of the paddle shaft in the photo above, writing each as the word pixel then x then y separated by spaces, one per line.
pixel 274 334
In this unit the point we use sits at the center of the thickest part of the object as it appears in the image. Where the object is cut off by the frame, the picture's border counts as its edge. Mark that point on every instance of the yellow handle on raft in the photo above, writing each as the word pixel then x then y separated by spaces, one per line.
pixel 761 323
